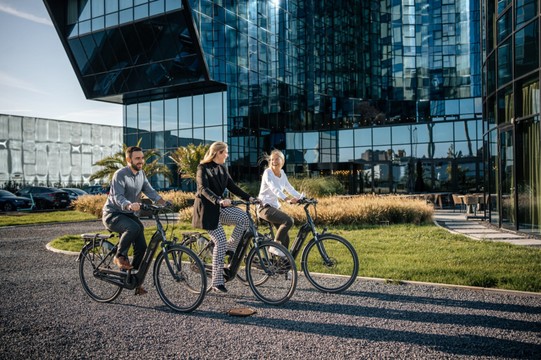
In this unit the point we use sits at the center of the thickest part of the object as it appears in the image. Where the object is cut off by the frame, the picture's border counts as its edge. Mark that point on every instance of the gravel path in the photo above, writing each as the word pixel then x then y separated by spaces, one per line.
pixel 44 314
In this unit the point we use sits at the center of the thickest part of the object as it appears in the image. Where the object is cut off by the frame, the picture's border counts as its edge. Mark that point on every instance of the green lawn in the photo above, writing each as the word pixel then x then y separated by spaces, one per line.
pixel 424 253
pixel 27 218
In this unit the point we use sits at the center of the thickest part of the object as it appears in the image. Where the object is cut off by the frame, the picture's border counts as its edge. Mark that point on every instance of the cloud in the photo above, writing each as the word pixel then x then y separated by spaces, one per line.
pixel 10 81
pixel 23 15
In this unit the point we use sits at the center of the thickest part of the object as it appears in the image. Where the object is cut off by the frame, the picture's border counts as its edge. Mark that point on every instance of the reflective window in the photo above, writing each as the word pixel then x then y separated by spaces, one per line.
pixel 156 108
pixel 363 137
pixel 504 63
pixel 213 109
pixel 185 112
pixel 345 154
pixel 504 26
pixel 526 39
pixel 382 135
pixel 525 10
pixel 310 140
pixel 214 133
pixel 363 153
pixel 294 141
pixel 345 138
pixel 198 110
pixel 170 114
pixel 401 134
pixel 505 106
pixel 528 97
pixel 143 111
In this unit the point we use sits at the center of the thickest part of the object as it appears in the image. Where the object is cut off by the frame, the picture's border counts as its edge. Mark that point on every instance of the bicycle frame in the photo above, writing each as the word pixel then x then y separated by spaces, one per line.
pixel 308 227
pixel 127 279
pixel 250 234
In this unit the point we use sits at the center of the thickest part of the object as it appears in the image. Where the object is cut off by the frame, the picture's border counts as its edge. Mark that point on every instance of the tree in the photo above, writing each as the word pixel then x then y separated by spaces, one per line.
pixel 188 158
pixel 117 161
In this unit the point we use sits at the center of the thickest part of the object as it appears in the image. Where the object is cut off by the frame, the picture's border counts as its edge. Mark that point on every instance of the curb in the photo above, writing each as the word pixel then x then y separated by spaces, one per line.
pixel 385 281
pixel 452 286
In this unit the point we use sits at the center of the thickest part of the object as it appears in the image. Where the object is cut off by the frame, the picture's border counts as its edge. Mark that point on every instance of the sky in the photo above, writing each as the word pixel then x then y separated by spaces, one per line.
pixel 36 77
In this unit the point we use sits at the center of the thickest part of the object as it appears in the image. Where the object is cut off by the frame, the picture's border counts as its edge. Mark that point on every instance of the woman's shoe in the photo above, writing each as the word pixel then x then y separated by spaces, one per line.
pixel 220 288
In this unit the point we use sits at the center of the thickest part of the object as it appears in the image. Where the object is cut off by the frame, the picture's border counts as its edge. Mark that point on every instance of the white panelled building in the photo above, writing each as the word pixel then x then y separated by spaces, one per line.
pixel 36 151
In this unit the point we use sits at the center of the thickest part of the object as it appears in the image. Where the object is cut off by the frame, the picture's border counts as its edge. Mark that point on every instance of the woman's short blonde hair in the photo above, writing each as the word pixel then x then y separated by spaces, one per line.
pixel 214 149
pixel 267 157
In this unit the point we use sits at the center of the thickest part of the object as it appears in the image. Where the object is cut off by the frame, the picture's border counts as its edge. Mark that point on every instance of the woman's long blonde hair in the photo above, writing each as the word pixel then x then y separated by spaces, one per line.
pixel 214 149
pixel 267 157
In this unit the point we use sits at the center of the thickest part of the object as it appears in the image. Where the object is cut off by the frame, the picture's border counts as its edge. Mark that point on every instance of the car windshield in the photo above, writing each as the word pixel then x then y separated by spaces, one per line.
pixel 5 193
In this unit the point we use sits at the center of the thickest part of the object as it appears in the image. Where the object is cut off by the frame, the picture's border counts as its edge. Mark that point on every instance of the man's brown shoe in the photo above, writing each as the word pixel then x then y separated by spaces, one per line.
pixel 140 290
pixel 122 263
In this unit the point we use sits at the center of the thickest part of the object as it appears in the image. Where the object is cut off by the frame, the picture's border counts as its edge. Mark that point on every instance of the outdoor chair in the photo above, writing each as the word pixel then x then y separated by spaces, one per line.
pixel 457 201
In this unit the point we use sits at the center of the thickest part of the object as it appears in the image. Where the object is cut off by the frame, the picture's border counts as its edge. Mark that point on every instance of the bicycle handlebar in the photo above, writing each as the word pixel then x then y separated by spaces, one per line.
pixel 155 208
pixel 244 202
pixel 310 201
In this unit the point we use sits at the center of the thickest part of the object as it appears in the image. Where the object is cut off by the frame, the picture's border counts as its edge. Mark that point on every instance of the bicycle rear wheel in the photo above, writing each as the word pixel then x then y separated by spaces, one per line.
pixel 272 278
pixel 203 248
pixel 330 263
pixel 180 278
pixel 94 255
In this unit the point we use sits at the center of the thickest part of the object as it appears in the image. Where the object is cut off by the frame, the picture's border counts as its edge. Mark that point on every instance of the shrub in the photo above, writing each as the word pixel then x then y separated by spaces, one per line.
pixel 357 210
pixel 93 204
pixel 366 210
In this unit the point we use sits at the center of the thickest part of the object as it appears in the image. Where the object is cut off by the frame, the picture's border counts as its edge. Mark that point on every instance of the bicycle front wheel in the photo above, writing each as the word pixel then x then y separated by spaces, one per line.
pixel 180 278
pixel 93 256
pixel 330 263
pixel 272 278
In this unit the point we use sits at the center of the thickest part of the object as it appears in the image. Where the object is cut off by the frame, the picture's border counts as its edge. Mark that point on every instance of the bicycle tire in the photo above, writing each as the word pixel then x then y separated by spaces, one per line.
pixel 179 277
pixel 333 277
pixel 92 255
pixel 280 273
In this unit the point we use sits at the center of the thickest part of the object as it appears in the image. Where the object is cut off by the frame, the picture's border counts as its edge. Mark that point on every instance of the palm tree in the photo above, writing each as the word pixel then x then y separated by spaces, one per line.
pixel 117 161
pixel 188 158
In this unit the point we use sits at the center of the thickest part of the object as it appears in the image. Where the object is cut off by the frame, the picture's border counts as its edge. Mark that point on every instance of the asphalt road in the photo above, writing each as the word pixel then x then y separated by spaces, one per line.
pixel 44 314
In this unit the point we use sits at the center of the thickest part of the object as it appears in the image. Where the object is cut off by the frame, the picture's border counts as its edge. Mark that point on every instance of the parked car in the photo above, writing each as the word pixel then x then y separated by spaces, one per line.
pixel 74 193
pixel 12 202
pixel 46 197
pixel 96 189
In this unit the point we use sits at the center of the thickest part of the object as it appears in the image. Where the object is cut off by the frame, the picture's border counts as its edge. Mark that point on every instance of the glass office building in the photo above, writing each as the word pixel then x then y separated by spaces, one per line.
pixel 384 94
pixel 511 98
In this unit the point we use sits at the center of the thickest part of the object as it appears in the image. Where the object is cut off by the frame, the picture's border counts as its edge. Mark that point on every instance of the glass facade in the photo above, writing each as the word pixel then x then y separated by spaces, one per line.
pixel 511 98
pixel 37 151
pixel 384 94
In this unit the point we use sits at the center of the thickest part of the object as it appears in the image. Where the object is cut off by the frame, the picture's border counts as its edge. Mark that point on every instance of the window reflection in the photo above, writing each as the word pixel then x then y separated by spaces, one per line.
pixel 526 39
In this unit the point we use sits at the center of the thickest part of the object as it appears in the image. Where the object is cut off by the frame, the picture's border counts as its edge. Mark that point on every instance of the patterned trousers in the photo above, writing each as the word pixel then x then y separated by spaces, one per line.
pixel 228 216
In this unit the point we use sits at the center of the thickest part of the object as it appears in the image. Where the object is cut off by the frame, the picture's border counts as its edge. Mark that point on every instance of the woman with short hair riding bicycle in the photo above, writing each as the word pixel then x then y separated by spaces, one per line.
pixel 274 184
pixel 210 210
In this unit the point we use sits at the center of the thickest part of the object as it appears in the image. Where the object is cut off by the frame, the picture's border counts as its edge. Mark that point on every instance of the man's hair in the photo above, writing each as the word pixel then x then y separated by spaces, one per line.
pixel 131 149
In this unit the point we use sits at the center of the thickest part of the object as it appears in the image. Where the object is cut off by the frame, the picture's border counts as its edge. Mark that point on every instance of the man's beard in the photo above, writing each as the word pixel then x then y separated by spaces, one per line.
pixel 135 167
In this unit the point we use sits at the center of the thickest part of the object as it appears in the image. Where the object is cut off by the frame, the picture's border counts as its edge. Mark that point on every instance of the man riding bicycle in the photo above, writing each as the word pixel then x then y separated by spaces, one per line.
pixel 120 210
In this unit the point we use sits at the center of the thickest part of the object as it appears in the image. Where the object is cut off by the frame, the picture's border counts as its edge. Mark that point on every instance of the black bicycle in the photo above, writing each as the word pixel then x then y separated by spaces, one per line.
pixel 179 275
pixel 329 261
pixel 270 269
